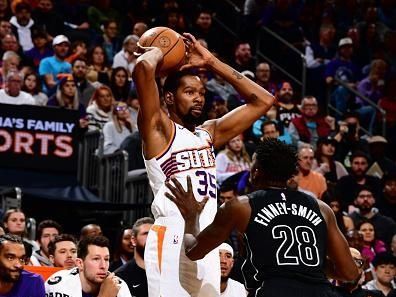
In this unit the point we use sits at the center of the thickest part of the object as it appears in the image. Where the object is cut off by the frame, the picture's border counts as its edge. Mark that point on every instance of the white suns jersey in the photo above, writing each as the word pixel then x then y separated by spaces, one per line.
pixel 188 154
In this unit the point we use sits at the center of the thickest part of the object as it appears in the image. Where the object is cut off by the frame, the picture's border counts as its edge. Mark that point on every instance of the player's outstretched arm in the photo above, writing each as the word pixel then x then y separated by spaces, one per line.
pixel 154 125
pixel 337 249
pixel 258 100
pixel 233 214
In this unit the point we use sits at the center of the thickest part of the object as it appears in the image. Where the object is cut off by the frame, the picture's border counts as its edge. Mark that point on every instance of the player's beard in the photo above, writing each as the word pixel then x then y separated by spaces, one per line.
pixel 224 278
pixel 189 118
pixel 5 275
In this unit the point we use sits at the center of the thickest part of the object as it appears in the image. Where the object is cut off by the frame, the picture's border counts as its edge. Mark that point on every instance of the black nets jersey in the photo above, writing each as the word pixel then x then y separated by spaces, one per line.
pixel 286 238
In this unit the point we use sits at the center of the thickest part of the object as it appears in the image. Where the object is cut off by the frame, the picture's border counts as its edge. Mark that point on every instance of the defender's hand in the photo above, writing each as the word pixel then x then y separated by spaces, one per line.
pixel 189 207
pixel 197 55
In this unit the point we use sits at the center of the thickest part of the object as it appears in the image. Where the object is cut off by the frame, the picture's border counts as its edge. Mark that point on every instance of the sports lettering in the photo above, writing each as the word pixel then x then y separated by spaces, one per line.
pixel 56 294
pixel 22 142
pixel 201 158
pixel 271 211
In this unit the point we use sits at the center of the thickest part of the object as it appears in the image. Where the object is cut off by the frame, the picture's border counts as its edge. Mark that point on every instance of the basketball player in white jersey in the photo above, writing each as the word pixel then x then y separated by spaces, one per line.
pixel 174 146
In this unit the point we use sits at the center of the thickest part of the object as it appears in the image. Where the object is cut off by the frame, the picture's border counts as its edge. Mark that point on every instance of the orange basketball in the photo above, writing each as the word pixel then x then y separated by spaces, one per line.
pixel 171 44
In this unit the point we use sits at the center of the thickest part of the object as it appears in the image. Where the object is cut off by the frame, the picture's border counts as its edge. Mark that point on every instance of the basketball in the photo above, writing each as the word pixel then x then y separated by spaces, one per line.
pixel 171 45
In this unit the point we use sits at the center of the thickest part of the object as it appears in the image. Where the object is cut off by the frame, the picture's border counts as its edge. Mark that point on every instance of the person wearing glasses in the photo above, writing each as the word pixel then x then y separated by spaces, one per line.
pixel 118 129
pixel 354 288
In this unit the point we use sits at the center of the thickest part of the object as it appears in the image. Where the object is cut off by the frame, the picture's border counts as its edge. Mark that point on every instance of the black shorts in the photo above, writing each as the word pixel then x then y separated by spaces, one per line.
pixel 292 288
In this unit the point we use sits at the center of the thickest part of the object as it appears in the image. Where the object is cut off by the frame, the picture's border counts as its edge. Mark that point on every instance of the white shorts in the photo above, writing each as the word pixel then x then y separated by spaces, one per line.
pixel 169 272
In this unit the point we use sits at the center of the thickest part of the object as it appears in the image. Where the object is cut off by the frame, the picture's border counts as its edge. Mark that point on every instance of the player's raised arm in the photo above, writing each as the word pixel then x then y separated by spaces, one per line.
pixel 154 125
pixel 337 249
pixel 258 100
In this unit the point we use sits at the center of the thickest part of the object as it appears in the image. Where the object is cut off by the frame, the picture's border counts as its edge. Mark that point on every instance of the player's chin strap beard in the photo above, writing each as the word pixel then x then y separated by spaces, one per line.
pixel 189 119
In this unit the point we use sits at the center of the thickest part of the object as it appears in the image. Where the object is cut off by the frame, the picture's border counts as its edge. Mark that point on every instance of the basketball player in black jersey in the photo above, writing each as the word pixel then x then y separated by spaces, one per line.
pixel 293 242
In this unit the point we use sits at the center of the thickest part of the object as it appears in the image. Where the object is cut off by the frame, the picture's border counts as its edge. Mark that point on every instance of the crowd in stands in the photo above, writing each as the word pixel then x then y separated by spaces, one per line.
pixel 79 55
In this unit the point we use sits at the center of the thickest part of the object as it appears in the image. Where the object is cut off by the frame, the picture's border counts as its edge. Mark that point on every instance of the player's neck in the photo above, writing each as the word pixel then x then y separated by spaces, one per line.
pixel 223 285
pixel 139 260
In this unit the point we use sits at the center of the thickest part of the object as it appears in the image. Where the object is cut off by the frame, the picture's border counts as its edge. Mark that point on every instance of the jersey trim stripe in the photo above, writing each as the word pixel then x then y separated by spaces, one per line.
pixel 207 131
pixel 160 155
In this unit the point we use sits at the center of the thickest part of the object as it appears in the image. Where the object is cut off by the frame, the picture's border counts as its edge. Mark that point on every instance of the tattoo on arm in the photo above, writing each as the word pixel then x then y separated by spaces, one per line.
pixel 253 98
pixel 237 74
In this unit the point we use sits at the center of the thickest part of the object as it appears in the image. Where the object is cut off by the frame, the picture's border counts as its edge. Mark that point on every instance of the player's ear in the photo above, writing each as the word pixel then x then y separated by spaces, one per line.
pixel 79 263
pixel 169 98
pixel 52 259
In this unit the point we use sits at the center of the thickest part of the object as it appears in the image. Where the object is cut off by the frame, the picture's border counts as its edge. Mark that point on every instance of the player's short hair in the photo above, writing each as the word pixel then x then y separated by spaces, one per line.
pixel 172 82
pixel 83 244
pixel 10 237
pixel 139 222
pixel 359 154
pixel 277 159
pixel 60 238
pixel 47 224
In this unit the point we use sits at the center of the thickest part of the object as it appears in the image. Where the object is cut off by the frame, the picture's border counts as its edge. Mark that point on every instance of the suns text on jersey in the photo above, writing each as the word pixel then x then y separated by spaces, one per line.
pixel 195 158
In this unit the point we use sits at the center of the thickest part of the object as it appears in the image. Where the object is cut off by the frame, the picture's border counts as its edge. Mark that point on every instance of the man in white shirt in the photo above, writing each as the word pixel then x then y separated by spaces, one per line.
pixel 12 94
pixel 228 286
pixel 125 58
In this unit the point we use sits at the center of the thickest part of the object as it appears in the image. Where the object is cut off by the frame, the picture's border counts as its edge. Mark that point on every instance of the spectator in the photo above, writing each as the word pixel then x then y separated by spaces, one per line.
pixel 349 185
pixel 46 231
pixel 364 201
pixel 139 28
pixel 387 205
pixel 263 77
pixel 287 110
pixel 354 289
pixel 32 86
pixel 134 272
pixel 344 222
pixel 22 24
pixel 309 181
pixel 100 109
pixel 12 93
pixel 118 129
pixel 5 28
pixel 62 251
pixel 271 129
pixel 371 245
pixel 90 277
pixel 324 162
pixel 384 267
pixel 11 61
pixel 228 286
pixel 350 139
pixel 372 86
pixel 233 159
pixel 243 59
pixel 98 70
pixel 203 28
pixel 85 89
pixel 66 96
pixel 380 164
pixel 50 67
pixel 46 18
pixel 126 58
pixel 124 249
pixel 78 50
pixel 109 40
pixel 40 49
pixel 90 230
pixel 219 87
pixel 119 84
pixel 310 126
pixel 14 280
pixel 318 54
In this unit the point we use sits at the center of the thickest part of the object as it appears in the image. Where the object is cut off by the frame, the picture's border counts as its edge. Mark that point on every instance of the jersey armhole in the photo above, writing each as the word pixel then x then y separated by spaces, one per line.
pixel 161 154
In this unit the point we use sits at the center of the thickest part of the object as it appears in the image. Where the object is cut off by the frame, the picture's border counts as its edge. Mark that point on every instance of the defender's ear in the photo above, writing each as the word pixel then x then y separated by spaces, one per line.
pixel 169 98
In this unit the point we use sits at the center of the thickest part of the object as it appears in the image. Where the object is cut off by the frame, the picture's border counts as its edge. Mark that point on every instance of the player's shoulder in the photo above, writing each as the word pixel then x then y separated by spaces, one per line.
pixel 62 276
pixel 30 275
